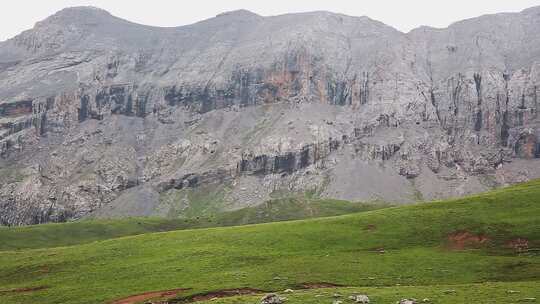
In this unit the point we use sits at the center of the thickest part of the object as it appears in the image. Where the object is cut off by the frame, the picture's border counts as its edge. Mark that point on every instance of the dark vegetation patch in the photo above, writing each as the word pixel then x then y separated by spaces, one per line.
pixel 371 227
pixel 216 295
pixel 23 289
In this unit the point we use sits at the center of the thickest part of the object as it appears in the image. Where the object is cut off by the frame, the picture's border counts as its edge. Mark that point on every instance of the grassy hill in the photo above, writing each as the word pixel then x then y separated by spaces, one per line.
pixel 473 249
pixel 86 231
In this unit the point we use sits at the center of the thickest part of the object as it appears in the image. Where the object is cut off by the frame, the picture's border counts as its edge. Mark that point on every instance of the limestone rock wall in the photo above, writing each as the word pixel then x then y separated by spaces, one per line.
pixel 93 107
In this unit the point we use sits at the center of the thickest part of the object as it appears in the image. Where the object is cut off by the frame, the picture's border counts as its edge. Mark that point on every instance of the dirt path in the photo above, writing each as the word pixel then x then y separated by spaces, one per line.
pixel 161 295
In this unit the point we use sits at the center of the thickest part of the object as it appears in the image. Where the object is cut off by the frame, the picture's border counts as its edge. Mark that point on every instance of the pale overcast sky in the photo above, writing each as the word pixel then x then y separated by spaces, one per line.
pixel 19 15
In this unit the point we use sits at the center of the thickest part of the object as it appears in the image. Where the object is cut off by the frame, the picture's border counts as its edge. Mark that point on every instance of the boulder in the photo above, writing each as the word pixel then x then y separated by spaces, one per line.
pixel 364 299
pixel 272 298
pixel 407 301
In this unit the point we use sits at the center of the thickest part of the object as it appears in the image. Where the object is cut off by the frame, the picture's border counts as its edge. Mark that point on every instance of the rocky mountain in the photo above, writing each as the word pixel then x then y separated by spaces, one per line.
pixel 101 117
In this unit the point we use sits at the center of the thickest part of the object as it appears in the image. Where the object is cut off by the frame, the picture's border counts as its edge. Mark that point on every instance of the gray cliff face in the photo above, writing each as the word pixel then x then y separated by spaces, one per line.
pixel 103 117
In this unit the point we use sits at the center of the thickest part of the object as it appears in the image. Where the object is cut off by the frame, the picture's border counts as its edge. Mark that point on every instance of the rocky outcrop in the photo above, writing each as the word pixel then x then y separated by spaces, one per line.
pixel 364 299
pixel 16 108
pixel 193 180
pixel 527 144
pixel 272 299
pixel 93 107
pixel 408 301
pixel 286 162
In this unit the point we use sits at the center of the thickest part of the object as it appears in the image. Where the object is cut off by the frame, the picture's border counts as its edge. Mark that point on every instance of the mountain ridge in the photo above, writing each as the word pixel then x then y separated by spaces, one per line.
pixel 231 111
pixel 245 12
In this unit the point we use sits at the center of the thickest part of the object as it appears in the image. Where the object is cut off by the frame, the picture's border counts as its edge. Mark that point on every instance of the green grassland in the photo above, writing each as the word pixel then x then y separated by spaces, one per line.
pixel 419 259
pixel 81 232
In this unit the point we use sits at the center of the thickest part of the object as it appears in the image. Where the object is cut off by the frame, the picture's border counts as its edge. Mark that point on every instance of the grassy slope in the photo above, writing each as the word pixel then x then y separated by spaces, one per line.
pixel 294 208
pixel 276 256
pixel 67 234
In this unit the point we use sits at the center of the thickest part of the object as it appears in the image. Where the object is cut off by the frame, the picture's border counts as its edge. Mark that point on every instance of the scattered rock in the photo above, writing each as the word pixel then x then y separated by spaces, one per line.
pixel 407 301
pixel 272 298
pixel 288 291
pixel 364 299
pixel 519 245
